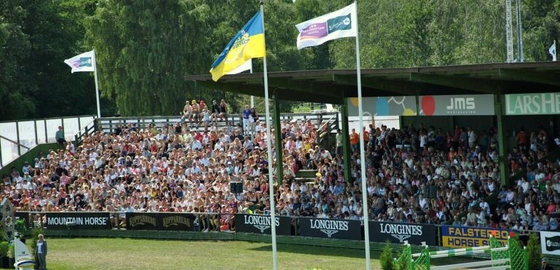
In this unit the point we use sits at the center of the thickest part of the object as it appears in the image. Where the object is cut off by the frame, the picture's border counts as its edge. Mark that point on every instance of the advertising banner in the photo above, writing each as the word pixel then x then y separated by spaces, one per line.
pixel 383 106
pixel 160 221
pixel 330 228
pixel 452 105
pixel 78 220
pixel 415 234
pixel 532 103
pixel 550 243
pixel 462 237
pixel 141 221
pixel 175 222
pixel 261 224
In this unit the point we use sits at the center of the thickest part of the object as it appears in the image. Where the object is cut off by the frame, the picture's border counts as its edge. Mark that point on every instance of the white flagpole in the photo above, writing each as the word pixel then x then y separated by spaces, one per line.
pixel 269 153
pixel 252 97
pixel 96 84
pixel 253 105
pixel 362 144
pixel 555 54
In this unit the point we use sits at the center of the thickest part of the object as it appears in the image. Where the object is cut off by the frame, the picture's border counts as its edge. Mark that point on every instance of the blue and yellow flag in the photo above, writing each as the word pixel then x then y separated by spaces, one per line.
pixel 246 45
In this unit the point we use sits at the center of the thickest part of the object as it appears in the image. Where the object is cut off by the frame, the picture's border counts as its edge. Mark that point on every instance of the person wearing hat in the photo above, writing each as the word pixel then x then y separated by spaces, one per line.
pixel 545 265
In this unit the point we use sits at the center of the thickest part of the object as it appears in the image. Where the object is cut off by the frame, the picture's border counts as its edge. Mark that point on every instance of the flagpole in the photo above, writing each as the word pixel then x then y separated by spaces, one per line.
pixel 96 84
pixel 252 104
pixel 252 97
pixel 269 153
pixel 362 144
pixel 555 54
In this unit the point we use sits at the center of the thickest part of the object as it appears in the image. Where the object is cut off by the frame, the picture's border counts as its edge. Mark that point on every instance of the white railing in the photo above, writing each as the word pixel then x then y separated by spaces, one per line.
pixel 18 137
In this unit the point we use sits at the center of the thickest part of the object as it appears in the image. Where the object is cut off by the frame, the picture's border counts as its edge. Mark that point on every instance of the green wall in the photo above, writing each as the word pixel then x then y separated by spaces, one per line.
pixel 29 156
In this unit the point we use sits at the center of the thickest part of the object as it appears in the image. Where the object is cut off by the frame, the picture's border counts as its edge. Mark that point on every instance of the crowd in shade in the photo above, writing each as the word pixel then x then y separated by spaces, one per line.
pixel 414 175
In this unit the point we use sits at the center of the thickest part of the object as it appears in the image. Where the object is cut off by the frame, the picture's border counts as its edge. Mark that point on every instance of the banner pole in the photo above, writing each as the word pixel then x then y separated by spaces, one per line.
pixel 269 154
pixel 96 84
pixel 362 145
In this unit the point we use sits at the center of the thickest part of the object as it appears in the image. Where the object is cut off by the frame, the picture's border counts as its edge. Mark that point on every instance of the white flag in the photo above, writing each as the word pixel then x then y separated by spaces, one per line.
pixel 245 66
pixel 84 62
pixel 552 51
pixel 338 24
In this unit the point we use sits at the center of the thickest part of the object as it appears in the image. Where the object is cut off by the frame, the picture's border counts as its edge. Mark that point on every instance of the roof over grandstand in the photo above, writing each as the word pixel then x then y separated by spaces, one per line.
pixel 330 86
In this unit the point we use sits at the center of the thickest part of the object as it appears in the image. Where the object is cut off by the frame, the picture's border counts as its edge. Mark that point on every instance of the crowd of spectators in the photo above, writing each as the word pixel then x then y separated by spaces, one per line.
pixel 414 174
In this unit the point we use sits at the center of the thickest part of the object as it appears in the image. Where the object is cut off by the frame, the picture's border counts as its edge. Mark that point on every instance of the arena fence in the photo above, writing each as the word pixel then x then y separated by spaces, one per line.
pixel 453 237
pixel 497 245
pixel 510 256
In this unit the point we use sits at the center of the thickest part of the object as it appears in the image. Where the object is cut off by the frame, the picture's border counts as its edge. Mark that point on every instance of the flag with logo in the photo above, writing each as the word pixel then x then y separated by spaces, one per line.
pixel 338 24
pixel 84 62
pixel 552 51
pixel 247 44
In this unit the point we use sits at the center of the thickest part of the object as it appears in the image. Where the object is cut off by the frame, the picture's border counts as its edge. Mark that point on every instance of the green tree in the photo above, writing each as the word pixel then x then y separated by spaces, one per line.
pixel 541 26
pixel 14 90
pixel 534 251
pixel 386 258
pixel 145 50
pixel 56 32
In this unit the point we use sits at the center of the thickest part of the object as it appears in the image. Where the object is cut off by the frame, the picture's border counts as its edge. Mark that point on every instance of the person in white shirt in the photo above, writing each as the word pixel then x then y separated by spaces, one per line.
pixel 471 137
pixel 484 206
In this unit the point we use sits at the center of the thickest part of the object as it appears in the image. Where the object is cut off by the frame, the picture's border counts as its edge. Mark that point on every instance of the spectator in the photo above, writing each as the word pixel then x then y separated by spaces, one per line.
pixel 354 140
pixel 186 113
pixel 254 120
pixel 223 110
pixel 59 136
pixel 247 118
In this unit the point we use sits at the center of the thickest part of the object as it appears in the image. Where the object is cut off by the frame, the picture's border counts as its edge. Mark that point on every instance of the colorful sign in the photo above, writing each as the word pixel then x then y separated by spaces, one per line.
pixel 447 105
pixel 383 106
pixel 529 104
pixel 462 237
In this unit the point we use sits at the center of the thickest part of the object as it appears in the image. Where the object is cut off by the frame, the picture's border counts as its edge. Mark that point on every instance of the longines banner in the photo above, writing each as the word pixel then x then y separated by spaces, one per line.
pixel 78 220
pixel 533 103
pixel 330 228
pixel 415 234
pixel 160 221
pixel 550 243
pixel 461 237
pixel 447 105
pixel 261 224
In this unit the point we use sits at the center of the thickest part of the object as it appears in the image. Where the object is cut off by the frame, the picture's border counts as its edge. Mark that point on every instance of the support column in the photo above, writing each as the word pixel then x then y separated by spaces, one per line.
pixel 278 139
pixel 345 139
pixel 502 141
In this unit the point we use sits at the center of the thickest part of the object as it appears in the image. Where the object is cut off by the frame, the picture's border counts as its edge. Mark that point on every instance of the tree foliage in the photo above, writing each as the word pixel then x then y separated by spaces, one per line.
pixel 146 48
pixel 534 251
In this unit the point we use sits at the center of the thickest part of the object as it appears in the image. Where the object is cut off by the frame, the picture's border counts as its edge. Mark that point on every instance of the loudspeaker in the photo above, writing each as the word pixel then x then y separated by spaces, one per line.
pixel 236 187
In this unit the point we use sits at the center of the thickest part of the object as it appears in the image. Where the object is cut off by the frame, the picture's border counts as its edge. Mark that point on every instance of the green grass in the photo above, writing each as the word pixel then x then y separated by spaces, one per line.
pixel 103 253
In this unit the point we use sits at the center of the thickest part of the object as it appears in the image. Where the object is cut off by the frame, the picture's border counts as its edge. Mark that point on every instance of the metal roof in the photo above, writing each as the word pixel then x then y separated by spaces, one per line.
pixel 330 86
